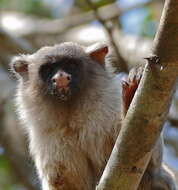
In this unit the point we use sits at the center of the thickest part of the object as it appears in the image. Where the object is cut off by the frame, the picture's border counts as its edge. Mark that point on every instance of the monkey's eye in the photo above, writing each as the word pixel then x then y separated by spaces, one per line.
pixel 69 67
pixel 72 66
pixel 46 72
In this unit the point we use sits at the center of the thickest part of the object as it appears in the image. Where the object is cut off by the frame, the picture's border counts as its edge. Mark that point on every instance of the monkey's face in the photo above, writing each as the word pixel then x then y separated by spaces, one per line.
pixel 62 76
pixel 63 71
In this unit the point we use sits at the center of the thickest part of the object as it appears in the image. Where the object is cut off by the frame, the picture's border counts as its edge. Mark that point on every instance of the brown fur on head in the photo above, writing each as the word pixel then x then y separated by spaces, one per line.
pixel 78 64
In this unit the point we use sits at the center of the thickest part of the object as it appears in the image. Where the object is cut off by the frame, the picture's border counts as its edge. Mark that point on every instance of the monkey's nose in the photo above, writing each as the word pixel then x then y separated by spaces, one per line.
pixel 61 79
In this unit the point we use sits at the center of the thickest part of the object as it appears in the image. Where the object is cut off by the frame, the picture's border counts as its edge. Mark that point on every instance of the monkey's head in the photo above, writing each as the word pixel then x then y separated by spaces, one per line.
pixel 60 71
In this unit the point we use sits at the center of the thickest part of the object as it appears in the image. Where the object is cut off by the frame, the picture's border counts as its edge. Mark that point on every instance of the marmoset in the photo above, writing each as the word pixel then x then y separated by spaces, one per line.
pixel 70 107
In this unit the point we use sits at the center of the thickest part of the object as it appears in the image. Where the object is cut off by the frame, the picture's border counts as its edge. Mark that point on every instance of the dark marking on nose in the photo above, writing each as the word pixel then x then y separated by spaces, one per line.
pixel 61 79
pixel 68 77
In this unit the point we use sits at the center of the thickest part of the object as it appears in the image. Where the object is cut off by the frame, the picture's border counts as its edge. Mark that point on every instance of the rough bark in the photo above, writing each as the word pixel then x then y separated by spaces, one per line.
pixel 144 120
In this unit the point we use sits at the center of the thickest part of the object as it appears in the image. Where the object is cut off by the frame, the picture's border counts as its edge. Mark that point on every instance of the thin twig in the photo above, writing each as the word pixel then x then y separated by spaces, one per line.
pixel 60 26
pixel 122 65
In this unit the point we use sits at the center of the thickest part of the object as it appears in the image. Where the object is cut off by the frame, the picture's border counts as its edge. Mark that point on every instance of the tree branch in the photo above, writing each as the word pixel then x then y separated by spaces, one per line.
pixel 16 43
pixel 62 25
pixel 10 45
pixel 144 120
pixel 122 65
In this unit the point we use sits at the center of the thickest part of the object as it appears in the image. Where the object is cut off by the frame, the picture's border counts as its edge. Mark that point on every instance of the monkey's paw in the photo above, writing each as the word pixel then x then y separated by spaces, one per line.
pixel 129 87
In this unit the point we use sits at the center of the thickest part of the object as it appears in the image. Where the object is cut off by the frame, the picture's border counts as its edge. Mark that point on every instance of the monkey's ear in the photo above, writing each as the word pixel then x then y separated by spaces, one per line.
pixel 97 52
pixel 19 64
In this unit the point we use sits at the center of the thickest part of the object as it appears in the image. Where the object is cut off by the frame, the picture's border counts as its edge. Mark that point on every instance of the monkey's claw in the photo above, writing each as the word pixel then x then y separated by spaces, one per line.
pixel 153 59
pixel 129 87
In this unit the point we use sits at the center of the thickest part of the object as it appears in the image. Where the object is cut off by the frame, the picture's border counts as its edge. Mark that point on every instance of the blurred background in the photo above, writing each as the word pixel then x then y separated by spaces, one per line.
pixel 128 26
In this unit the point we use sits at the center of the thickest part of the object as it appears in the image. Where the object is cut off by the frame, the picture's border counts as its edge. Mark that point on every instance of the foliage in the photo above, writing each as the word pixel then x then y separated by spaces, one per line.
pixel 35 7
pixel 7 181
pixel 84 6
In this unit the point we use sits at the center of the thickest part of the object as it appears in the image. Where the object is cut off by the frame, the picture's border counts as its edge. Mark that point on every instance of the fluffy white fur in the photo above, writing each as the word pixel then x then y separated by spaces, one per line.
pixel 80 140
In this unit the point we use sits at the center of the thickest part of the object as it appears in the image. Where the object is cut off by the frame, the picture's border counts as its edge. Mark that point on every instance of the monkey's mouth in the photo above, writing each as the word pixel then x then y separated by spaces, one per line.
pixel 63 93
